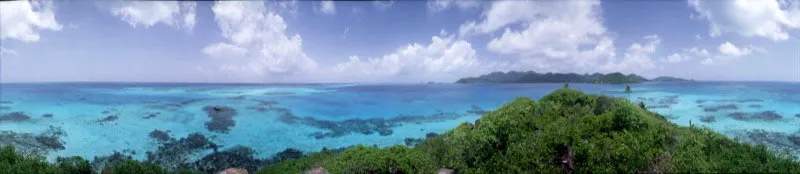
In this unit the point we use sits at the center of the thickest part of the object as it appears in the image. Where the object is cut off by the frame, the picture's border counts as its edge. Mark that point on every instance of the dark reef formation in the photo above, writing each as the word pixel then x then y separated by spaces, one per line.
pixel 6 102
pixel 764 116
pixel 236 156
pixel 740 101
pixel 782 143
pixel 47 115
pixel 279 93
pixel 797 115
pixel 708 119
pixel 411 142
pixel 161 136
pixel 382 127
pixel 14 117
pixel 107 119
pixel 221 118
pixel 721 107
pixel 755 106
pixel 151 115
pixel 174 154
pixel 477 110
pixel 5 108
pixel 700 101
pixel 28 143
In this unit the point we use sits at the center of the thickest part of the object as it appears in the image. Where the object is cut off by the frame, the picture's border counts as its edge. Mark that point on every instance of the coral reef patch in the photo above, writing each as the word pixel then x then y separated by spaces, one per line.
pixel 721 107
pixel 39 144
pixel 221 118
pixel 764 116
pixel 14 117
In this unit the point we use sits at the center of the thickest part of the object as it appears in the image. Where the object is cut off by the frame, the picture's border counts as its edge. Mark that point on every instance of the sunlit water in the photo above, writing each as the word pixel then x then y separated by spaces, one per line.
pixel 271 118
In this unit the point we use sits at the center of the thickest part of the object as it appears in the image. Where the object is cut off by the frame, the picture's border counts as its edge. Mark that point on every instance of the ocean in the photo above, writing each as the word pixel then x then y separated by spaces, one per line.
pixel 98 119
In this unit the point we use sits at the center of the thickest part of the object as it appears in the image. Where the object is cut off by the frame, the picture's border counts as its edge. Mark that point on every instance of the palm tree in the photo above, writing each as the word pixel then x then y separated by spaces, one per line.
pixel 628 90
pixel 566 84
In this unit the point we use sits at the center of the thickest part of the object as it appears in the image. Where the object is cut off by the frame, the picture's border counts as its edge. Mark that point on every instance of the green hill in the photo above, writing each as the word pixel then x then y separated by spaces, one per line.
pixel 534 77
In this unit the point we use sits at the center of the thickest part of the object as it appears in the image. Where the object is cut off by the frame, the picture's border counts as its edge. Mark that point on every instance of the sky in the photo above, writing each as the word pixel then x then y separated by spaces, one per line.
pixel 394 41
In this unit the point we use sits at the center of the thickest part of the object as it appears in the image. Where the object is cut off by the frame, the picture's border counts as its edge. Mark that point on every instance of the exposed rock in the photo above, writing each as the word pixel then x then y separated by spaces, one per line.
pixel 221 118
pixel 14 117
pixel 107 119
pixel 316 170
pixel 445 171
pixel 47 115
pixel 721 107
pixel 234 171
pixel 161 136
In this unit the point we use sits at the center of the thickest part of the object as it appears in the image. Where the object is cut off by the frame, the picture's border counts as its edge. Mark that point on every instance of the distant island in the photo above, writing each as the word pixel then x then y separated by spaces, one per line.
pixel 534 77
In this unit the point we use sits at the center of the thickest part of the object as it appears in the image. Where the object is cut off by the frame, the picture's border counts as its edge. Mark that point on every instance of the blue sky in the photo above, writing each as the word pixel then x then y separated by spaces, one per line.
pixel 394 41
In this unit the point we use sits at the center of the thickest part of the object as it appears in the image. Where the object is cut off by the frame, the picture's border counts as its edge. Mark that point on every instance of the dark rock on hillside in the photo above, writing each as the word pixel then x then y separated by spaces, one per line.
pixel 237 156
pixel 221 118
pixel 14 117
pixel 721 107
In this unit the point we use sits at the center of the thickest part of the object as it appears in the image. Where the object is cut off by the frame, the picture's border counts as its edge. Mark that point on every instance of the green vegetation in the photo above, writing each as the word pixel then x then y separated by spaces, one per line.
pixel 533 77
pixel 566 131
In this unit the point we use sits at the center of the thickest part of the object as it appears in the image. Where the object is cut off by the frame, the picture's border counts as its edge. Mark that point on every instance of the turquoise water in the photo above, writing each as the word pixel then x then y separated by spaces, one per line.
pixel 101 118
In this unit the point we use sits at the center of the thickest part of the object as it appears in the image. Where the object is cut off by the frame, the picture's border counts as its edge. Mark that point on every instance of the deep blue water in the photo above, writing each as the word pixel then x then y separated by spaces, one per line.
pixel 273 117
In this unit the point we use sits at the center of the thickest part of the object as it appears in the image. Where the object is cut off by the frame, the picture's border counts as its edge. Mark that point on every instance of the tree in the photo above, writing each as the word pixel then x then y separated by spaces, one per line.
pixel 628 90
pixel 566 84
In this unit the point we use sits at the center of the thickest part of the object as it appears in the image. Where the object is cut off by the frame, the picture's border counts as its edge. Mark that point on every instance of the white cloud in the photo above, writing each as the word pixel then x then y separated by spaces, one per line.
pixel 288 5
pixel 382 5
pixel 639 55
pixel 697 37
pixel 728 49
pixel 148 13
pixel 707 61
pixel 687 54
pixel 443 57
pixel 327 7
pixel 344 33
pixel 224 50
pixel 4 52
pixel 763 18
pixel 22 20
pixel 258 37
pixel 442 5
pixel 553 35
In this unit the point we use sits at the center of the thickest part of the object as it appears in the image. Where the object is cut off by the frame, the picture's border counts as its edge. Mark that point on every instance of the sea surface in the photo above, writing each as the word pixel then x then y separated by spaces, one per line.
pixel 98 119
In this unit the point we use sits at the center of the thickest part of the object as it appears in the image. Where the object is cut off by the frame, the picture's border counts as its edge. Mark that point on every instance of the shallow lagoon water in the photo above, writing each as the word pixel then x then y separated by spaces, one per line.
pixel 272 117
